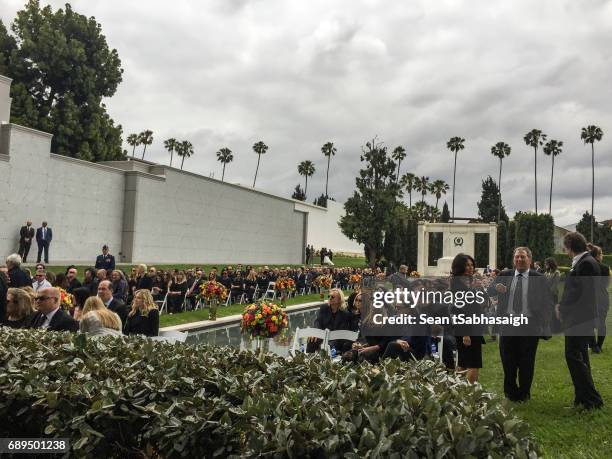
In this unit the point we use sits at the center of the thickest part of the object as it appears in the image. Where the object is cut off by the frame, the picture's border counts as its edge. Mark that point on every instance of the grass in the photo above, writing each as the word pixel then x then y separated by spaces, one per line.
pixel 168 320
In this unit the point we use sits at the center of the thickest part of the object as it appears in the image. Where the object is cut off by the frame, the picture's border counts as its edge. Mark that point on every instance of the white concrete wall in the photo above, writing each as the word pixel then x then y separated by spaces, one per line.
pixel 323 229
pixel 5 100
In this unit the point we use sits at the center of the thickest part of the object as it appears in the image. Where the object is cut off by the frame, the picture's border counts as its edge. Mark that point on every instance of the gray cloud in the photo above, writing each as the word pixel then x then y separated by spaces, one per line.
pixel 299 74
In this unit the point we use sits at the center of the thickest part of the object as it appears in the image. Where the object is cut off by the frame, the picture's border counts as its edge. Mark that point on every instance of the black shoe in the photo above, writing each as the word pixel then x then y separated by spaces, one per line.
pixel 596 350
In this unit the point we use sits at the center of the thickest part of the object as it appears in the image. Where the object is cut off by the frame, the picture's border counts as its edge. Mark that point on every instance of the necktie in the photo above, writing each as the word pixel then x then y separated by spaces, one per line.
pixel 517 302
pixel 41 321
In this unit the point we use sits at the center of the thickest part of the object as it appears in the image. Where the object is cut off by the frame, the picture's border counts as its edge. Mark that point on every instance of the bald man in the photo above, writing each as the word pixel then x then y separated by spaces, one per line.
pixel 50 315
pixel 105 293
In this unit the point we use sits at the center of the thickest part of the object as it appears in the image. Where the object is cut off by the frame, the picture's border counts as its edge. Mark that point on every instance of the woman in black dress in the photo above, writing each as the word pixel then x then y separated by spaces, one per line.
pixel 250 283
pixel 177 289
pixel 469 337
pixel 143 318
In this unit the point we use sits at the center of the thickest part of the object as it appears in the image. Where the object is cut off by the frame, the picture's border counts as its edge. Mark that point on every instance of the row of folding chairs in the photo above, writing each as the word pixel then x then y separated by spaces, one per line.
pixel 325 335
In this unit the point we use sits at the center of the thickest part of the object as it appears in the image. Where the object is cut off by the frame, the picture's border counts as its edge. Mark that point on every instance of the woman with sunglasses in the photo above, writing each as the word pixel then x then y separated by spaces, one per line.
pixel 333 316
pixel 19 308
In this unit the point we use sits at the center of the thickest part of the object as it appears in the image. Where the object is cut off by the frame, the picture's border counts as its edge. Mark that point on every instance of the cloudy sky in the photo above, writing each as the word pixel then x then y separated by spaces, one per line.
pixel 297 74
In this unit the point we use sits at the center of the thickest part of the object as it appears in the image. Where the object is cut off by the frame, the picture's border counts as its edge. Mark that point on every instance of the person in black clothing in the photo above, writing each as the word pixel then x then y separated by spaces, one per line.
pixel 106 260
pixel 577 312
pixel 105 292
pixel 332 316
pixel 90 281
pixel 26 234
pixel 250 283
pixel 177 289
pixel 71 279
pixel 143 281
pixel 20 308
pixel 469 339
pixel 17 277
pixel 603 299
pixel 44 235
pixel 143 318
pixel 50 315
pixel 521 291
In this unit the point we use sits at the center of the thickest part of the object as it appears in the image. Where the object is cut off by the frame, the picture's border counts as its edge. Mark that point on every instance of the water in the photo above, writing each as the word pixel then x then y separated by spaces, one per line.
pixel 230 335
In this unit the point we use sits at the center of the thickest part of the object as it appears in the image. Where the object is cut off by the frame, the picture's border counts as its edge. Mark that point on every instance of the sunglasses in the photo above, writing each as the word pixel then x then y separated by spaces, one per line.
pixel 43 298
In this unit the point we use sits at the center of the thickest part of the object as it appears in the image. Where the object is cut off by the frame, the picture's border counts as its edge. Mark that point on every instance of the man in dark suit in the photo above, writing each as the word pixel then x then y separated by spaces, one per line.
pixel 603 298
pixel 16 276
pixel 50 315
pixel 26 234
pixel 106 260
pixel 521 291
pixel 577 312
pixel 44 235
pixel 105 293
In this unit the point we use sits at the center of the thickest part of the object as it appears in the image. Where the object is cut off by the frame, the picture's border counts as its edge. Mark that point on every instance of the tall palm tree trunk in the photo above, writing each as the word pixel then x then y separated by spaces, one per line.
pixel 499 192
pixel 257 169
pixel 410 198
pixel 144 150
pixel 454 176
pixel 327 176
pixel 306 187
pixel 552 175
pixel 223 173
pixel 399 163
pixel 133 149
pixel 592 190
pixel 171 156
pixel 535 175
pixel 182 162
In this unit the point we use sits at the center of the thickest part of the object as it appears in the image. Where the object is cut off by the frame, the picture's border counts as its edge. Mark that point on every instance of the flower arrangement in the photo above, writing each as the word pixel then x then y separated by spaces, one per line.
pixel 323 282
pixel 263 320
pixel 355 280
pixel 65 300
pixel 213 290
pixel 285 283
pixel 415 274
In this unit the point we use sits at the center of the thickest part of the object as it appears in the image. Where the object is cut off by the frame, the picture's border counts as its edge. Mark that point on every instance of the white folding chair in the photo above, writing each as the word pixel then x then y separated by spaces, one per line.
pixel 176 335
pixel 164 304
pixel 440 346
pixel 347 335
pixel 301 333
pixel 271 290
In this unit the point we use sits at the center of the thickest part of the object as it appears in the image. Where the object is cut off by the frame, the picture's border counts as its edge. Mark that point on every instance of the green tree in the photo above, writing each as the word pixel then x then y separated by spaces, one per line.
pixel 62 68
pixel 455 144
pixel 321 201
pixel 224 156
pixel 170 145
pixel 536 232
pixel 534 139
pixel 328 150
pixel 407 183
pixel 438 188
pixel 7 46
pixel 184 150
pixel 145 138
pixel 500 150
pixel 399 154
pixel 592 134
pixel 421 184
pixel 370 211
pixel 552 148
pixel 307 169
pixel 490 204
pixel 299 193
pixel 134 140
pixel 445 217
pixel 260 148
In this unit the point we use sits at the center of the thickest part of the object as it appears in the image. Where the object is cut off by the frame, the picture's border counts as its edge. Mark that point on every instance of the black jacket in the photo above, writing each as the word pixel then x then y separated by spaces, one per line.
pixel 26 233
pixel 325 319
pixel 578 304
pixel 106 262
pixel 61 321
pixel 18 278
pixel 119 308
pixel 539 300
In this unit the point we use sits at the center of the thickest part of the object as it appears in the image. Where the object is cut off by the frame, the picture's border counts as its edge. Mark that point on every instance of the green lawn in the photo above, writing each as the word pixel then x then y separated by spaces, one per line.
pixel 168 320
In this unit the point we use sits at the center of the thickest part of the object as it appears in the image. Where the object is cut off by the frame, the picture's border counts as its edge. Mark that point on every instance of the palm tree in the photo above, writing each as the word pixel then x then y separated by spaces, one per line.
pixel 552 148
pixel 398 154
pixel 185 150
pixel 328 150
pixel 535 138
pixel 438 188
pixel 133 140
pixel 260 148
pixel 408 183
pixel 422 185
pixel 306 168
pixel 145 138
pixel 455 144
pixel 501 150
pixel 171 145
pixel 590 134
pixel 224 156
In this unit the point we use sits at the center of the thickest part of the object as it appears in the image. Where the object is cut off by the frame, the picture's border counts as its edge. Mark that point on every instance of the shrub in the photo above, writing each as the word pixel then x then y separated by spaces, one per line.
pixel 122 398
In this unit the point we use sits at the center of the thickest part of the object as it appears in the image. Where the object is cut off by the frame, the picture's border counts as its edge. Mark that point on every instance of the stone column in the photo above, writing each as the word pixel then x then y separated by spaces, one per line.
pixel 422 248
pixel 493 245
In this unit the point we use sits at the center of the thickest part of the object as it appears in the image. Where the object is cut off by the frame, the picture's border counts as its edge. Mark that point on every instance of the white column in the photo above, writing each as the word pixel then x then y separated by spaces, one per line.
pixel 493 245
pixel 422 248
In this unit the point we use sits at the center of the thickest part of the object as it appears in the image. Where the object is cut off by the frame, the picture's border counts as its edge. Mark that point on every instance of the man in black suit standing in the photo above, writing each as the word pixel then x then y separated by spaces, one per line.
pixel 44 234
pixel 105 293
pixel 106 260
pixel 521 290
pixel 577 313
pixel 50 315
pixel 26 234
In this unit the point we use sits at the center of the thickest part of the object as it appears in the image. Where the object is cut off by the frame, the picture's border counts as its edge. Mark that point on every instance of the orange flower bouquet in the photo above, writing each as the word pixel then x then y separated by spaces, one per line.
pixel 285 283
pixel 263 320
pixel 65 300
pixel 213 290
pixel 323 283
pixel 355 280
pixel 415 274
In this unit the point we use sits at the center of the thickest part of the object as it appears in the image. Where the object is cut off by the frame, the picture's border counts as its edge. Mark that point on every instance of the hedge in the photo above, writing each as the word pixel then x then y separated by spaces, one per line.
pixel 135 397
pixel 563 259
